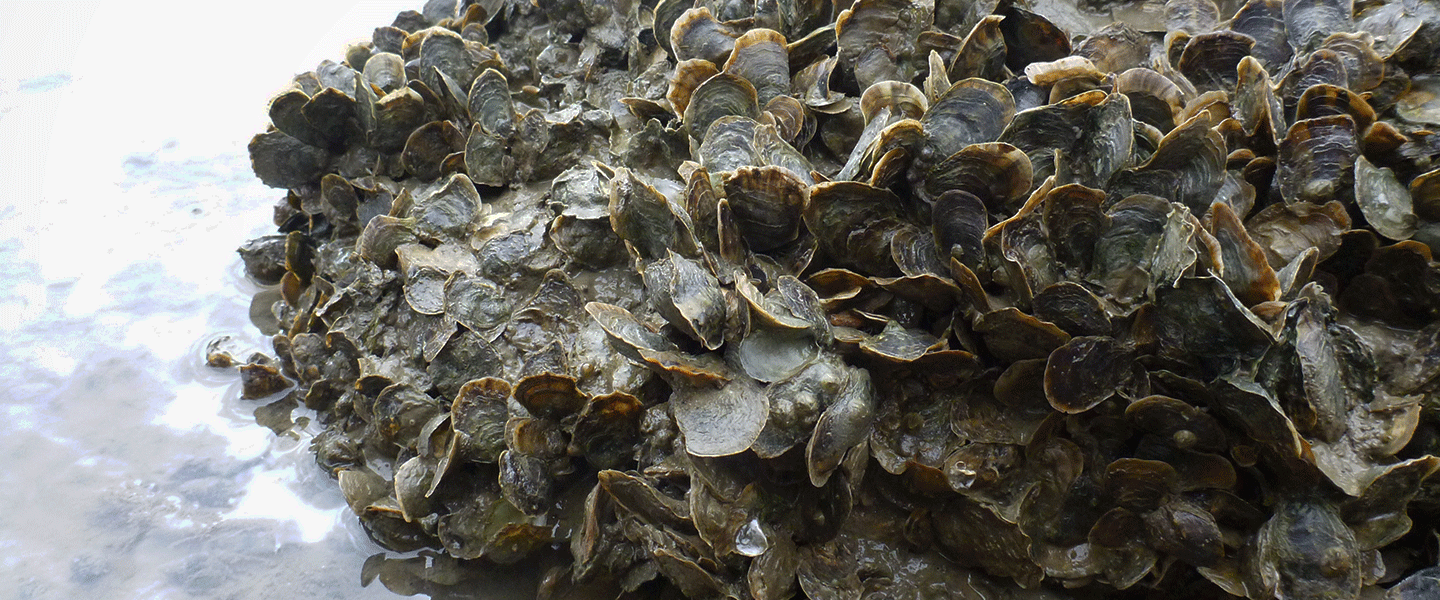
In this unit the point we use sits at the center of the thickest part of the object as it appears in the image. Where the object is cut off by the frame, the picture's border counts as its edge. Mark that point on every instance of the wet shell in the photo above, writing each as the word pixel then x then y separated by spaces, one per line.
pixel 1154 98
pixel 1187 167
pixel 688 296
pixel 842 426
pixel 1317 160
pixel 382 235
pixel 1307 22
pixel 1425 195
pixel 280 160
pixel 1364 68
pixel 697 34
pixel 876 39
pixel 1323 100
pixel 1321 66
pixel 1038 132
pixel 428 150
pixel 838 208
pixel 1116 47
pixel 448 211
pixel 396 115
pixel 1014 335
pixel 1263 21
pixel 1106 146
pixel 687 76
pixel 1422 103
pixel 812 86
pixel 549 396
pixel 1195 17
pixel 1073 220
pixel 1085 372
pixel 385 70
pixel 901 100
pixel 1209 59
pixel 1030 37
pixel 1305 550
pixel 982 54
pixel 970 112
pixel 444 53
pixel 490 105
pixel 1255 104
pixel 666 13
pixel 286 113
pixel 1385 203
pixel 997 173
pixel 1073 308
pixel 767 204
pixel 760 57
pixel 1246 270
pixel 722 95
pixel 959 222
pixel 720 421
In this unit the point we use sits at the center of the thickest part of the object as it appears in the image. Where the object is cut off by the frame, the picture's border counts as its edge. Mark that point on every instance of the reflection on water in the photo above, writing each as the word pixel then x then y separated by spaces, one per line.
pixel 133 470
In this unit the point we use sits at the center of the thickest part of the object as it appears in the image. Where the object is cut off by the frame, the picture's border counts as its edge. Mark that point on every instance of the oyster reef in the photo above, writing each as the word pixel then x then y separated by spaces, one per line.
pixel 871 299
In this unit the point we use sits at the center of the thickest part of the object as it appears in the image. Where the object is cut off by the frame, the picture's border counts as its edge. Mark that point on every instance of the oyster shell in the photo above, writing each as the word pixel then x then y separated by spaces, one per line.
pixel 880 298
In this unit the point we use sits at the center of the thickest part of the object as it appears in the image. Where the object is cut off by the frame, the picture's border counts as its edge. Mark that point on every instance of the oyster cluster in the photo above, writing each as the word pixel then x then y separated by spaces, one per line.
pixel 881 299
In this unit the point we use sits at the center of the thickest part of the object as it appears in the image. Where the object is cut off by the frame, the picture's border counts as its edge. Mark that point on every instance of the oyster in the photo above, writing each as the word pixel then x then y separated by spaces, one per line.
pixel 882 298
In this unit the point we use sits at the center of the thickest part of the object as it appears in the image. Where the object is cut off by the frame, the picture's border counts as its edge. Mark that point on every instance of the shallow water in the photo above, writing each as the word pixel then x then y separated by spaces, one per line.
pixel 132 470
